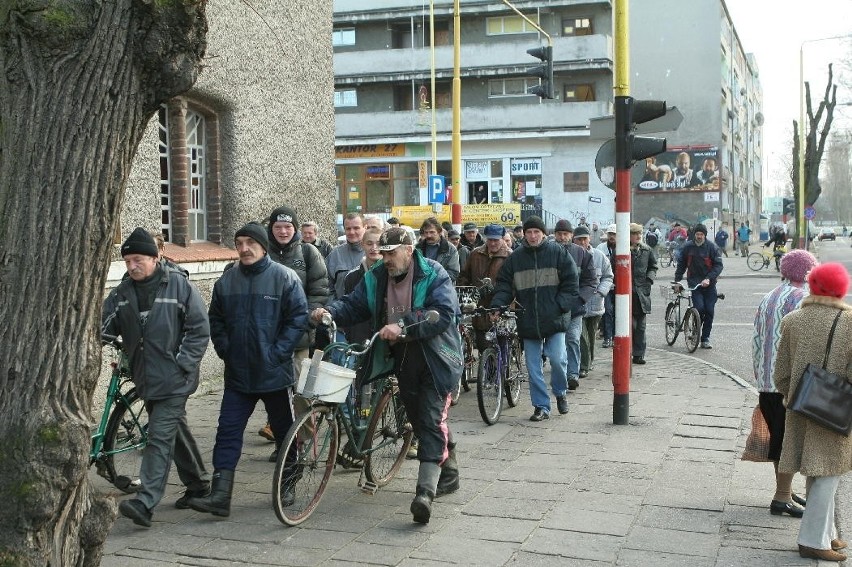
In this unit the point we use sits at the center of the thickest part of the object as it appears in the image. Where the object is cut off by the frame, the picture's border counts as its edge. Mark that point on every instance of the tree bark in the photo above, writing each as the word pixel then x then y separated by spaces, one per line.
pixel 80 81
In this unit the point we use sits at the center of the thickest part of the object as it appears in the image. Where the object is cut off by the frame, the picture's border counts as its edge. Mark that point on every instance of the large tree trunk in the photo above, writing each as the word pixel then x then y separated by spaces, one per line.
pixel 80 81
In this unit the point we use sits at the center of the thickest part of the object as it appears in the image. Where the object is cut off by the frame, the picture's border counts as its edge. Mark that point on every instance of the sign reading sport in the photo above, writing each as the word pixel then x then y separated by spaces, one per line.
pixel 506 214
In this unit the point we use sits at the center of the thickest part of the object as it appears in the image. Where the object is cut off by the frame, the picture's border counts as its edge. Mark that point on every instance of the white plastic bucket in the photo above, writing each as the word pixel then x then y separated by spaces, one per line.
pixel 331 383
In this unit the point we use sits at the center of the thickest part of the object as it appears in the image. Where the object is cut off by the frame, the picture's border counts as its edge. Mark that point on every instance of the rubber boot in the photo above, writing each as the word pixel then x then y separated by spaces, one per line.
pixel 427 481
pixel 219 501
pixel 448 482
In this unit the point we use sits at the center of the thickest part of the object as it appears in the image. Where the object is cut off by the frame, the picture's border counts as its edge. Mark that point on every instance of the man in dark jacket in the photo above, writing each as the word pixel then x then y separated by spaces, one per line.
pixel 435 247
pixel 310 234
pixel 702 263
pixel 286 247
pixel 542 277
pixel 644 266
pixel 158 307
pixel 471 238
pixel 394 295
pixel 258 315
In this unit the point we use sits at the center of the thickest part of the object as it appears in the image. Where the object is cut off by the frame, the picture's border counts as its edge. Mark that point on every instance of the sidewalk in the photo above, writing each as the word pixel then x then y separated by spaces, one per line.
pixel 668 489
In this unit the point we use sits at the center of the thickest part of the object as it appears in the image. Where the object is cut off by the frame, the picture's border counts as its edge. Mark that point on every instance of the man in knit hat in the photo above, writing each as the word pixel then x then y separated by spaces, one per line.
pixel 542 277
pixel 767 334
pixel 158 306
pixel 258 315
pixel 701 261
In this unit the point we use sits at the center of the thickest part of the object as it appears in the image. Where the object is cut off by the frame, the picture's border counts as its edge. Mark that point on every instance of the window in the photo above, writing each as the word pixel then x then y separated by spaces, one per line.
pixel 165 176
pixel 510 87
pixel 348 97
pixel 402 38
pixel 502 25
pixel 577 26
pixel 403 96
pixel 196 146
pixel 343 36
pixel 579 93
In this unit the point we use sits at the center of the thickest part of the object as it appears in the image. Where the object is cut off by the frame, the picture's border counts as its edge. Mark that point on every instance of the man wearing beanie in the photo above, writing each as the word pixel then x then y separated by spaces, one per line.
pixel 286 247
pixel 701 260
pixel 542 277
pixel 158 306
pixel 258 315
pixel 816 334
pixel 767 334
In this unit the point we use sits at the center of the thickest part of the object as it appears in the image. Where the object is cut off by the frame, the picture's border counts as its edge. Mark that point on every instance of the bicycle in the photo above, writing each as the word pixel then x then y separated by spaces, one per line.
pixel 667 256
pixel 379 434
pixel 501 367
pixel 468 298
pixel 122 431
pixel 759 260
pixel 690 324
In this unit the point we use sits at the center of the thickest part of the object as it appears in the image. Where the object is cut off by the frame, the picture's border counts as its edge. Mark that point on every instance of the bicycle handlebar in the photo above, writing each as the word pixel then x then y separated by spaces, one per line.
pixel 432 316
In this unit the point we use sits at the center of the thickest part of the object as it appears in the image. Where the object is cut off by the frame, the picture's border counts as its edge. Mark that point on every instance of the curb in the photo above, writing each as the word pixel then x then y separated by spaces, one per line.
pixel 735 377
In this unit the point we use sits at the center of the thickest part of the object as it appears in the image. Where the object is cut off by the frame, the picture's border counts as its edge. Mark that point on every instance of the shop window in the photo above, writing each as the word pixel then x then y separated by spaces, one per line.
pixel 579 93
pixel 577 26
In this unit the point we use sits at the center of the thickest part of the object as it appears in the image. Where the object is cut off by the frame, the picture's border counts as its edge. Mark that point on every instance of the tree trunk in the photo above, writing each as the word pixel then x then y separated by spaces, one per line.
pixel 80 81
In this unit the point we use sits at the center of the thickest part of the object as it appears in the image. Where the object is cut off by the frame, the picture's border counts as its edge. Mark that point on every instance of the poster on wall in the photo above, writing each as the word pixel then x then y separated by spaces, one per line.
pixel 691 168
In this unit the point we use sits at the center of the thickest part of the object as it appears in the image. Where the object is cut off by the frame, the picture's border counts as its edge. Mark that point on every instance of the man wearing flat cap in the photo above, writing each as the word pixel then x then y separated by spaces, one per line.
pixel 471 238
pixel 644 263
pixel 157 306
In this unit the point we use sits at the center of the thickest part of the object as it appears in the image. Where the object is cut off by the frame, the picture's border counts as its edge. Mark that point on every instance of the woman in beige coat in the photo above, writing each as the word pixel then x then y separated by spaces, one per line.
pixel 810 449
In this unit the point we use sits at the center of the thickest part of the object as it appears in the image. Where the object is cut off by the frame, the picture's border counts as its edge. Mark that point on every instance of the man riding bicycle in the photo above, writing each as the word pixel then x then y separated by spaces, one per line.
pixel 702 263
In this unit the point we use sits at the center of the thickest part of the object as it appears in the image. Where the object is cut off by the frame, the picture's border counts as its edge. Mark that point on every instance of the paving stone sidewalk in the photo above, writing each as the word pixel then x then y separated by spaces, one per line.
pixel 668 489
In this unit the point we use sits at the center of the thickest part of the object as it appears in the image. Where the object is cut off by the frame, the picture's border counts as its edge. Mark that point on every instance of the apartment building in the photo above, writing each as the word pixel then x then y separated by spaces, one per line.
pixel 522 154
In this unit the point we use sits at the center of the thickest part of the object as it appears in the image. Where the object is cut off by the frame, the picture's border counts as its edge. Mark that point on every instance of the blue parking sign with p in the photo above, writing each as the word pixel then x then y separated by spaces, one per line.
pixel 436 189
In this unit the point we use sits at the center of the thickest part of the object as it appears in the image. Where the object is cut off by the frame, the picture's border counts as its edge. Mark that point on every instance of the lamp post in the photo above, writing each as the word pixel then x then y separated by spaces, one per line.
pixel 800 220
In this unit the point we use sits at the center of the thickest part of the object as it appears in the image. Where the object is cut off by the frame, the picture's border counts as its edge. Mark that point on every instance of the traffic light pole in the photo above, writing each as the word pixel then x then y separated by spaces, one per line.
pixel 621 356
pixel 456 210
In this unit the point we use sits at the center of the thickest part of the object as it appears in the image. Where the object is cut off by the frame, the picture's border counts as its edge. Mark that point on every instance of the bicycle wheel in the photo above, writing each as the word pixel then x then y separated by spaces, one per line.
pixel 124 440
pixel 304 466
pixel 388 437
pixel 489 390
pixel 469 360
pixel 756 261
pixel 666 260
pixel 516 374
pixel 672 323
pixel 691 329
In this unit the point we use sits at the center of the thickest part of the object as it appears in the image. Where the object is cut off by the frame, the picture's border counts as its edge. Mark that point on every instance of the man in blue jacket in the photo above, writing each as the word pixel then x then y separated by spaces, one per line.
pixel 542 277
pixel 702 263
pixel 395 294
pixel 258 315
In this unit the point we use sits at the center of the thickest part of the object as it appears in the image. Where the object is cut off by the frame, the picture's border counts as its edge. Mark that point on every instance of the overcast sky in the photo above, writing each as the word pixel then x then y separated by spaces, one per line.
pixel 774 32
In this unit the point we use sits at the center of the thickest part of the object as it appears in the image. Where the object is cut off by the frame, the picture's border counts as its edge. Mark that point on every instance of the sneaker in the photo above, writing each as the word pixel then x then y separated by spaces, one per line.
pixel 266 433
pixel 539 415
pixel 573 383
pixel 562 405
pixel 412 450
pixel 584 373
pixel 136 511
pixel 706 344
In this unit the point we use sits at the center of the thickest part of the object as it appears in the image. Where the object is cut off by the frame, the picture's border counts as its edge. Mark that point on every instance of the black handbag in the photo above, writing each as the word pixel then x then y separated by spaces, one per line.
pixel 824 397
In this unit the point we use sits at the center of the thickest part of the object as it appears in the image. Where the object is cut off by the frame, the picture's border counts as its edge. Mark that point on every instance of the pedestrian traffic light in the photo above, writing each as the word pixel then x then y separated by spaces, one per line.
pixel 629 113
pixel 789 207
pixel 543 72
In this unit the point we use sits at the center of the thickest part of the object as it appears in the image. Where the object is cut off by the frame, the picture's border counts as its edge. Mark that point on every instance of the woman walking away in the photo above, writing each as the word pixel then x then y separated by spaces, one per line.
pixel 810 449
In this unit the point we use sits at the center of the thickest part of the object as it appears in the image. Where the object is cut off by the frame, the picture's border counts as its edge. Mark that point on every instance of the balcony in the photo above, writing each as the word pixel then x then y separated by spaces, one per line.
pixel 555 118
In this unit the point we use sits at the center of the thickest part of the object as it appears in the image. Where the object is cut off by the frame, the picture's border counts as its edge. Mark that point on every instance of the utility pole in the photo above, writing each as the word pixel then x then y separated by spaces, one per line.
pixel 455 212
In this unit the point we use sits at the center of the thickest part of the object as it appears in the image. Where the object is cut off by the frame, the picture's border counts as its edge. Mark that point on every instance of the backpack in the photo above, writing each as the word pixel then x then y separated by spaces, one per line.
pixel 651 239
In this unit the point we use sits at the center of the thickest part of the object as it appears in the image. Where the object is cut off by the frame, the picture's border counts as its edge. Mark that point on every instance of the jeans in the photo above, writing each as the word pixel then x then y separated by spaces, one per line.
pixel 704 299
pixel 554 348
pixel 608 321
pixel 572 346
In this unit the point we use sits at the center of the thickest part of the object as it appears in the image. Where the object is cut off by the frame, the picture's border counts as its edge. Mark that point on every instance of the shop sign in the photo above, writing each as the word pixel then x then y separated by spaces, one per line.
pixel 506 214
pixel 477 170
pixel 369 151
pixel 531 166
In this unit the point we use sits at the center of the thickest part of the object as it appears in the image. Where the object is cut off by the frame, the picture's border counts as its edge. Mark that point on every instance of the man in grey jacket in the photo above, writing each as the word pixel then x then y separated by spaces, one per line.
pixel 595 303
pixel 162 321
pixel 435 247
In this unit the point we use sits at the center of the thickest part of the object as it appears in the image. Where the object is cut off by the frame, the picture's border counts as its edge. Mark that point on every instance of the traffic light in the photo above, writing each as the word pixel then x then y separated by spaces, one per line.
pixel 789 206
pixel 544 72
pixel 629 113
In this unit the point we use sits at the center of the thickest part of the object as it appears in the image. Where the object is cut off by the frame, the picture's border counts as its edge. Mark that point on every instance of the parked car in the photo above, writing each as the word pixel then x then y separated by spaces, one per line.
pixel 827 234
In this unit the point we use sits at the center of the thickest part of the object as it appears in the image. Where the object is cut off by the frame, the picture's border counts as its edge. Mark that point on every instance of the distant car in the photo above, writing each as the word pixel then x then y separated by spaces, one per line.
pixel 827 234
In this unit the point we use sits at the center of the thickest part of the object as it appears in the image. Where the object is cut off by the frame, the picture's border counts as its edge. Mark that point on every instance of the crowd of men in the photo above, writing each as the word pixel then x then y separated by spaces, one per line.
pixel 266 310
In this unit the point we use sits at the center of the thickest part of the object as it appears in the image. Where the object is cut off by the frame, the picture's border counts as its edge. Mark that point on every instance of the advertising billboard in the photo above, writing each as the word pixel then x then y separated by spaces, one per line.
pixel 693 168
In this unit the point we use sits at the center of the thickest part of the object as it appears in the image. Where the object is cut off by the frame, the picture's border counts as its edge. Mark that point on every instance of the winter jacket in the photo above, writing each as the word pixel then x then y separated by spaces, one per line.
pixel 164 352
pixel 339 262
pixel 323 246
pixel 447 256
pixel 603 269
pixel 258 315
pixel 464 254
pixel 480 265
pixel 544 281
pixel 477 242
pixel 699 263
pixel 644 263
pixel 432 290
pixel 588 277
pixel 307 262
pixel 809 448
pixel 609 252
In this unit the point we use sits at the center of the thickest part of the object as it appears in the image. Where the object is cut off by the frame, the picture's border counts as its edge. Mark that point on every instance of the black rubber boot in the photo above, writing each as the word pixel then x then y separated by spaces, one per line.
pixel 427 480
pixel 219 501
pixel 448 482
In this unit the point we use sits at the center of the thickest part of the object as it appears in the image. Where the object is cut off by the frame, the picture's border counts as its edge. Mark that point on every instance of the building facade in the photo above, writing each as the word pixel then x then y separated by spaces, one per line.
pixel 522 154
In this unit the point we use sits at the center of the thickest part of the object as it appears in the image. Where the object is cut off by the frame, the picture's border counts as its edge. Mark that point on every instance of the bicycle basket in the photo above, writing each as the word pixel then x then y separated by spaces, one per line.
pixel 468 297
pixel 667 292
pixel 329 382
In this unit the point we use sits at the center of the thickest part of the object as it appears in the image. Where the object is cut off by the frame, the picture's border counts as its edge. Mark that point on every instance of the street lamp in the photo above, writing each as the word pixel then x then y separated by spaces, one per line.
pixel 803 228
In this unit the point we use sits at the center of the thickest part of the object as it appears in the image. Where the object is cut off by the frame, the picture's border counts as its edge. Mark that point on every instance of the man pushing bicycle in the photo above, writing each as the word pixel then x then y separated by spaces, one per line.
pixel 702 263
pixel 426 358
